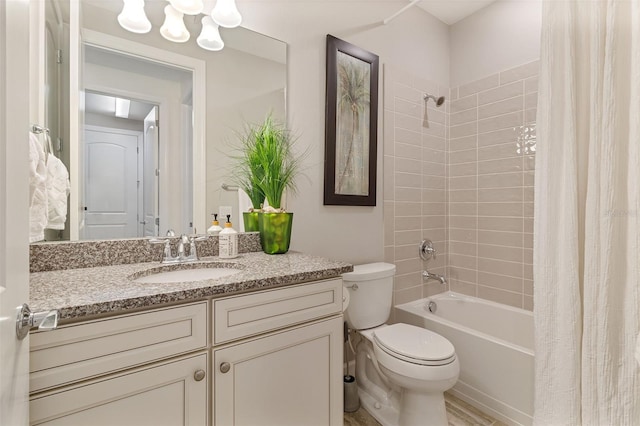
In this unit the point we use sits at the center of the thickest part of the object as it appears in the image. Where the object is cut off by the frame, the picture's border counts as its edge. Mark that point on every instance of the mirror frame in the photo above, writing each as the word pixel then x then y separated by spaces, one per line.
pixel 139 50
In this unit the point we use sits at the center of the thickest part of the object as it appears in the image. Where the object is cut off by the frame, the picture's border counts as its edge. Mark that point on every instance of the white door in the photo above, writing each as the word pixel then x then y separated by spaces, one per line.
pixel 14 214
pixel 150 176
pixel 289 378
pixel 111 183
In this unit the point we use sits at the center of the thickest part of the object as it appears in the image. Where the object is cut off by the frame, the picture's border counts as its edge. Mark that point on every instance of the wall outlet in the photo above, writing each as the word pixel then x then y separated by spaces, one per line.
pixel 224 211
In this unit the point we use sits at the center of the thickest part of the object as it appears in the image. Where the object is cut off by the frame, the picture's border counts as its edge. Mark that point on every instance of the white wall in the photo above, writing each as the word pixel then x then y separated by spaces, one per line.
pixel 113 122
pixel 501 36
pixel 415 41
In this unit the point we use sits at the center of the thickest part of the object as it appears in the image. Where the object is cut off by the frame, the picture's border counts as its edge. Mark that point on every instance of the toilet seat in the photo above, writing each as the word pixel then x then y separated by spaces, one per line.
pixel 414 344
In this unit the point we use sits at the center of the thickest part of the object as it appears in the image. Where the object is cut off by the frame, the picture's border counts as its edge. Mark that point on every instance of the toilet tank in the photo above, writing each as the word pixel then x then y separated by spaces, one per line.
pixel 370 290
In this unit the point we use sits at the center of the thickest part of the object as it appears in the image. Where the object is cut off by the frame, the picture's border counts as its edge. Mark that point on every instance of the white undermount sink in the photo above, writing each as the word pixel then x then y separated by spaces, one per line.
pixel 183 275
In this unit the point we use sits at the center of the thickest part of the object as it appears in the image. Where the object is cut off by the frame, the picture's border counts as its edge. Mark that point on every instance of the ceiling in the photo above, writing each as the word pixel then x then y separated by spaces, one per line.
pixel 452 11
pixel 448 11
pixel 97 103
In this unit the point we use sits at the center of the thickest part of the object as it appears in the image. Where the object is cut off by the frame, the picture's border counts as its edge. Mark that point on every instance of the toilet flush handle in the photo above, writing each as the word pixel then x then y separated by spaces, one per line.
pixel 353 286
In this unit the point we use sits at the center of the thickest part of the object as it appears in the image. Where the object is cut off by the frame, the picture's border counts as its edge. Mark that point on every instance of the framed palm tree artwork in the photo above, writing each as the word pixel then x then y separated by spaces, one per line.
pixel 351 125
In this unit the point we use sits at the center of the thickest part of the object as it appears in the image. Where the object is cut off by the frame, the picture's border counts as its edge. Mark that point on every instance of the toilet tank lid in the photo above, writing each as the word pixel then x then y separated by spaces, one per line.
pixel 370 271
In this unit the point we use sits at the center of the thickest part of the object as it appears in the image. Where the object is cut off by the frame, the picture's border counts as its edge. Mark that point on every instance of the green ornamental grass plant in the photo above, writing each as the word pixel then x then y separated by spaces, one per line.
pixel 268 163
pixel 266 168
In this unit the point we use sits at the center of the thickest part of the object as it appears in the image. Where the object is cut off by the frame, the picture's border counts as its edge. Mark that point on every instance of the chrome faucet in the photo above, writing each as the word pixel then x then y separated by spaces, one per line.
pixel 181 256
pixel 429 276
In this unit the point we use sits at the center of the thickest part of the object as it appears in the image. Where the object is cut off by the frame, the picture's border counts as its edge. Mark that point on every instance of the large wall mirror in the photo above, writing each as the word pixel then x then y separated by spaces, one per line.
pixel 160 161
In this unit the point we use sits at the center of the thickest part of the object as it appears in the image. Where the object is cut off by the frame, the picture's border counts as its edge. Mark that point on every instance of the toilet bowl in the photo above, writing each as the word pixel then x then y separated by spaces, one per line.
pixel 402 370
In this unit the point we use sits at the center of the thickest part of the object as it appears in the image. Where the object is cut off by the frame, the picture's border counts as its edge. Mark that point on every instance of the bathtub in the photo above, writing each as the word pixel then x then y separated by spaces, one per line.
pixel 494 344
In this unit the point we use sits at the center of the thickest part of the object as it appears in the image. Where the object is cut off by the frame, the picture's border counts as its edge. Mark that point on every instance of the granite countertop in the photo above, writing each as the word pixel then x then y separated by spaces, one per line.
pixel 86 292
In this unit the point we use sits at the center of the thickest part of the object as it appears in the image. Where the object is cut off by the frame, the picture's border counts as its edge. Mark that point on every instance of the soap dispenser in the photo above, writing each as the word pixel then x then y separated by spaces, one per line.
pixel 215 228
pixel 228 241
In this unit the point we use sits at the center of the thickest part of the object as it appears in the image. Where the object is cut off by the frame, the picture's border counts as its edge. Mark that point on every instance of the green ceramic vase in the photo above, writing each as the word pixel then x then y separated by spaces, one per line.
pixel 250 221
pixel 275 232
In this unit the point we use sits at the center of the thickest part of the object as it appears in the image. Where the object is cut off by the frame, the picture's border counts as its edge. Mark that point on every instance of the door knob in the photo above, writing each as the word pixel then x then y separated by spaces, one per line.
pixel 225 367
pixel 45 321
pixel 199 375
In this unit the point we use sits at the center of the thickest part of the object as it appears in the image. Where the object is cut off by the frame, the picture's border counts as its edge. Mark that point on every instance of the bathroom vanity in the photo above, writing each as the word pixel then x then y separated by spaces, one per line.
pixel 262 346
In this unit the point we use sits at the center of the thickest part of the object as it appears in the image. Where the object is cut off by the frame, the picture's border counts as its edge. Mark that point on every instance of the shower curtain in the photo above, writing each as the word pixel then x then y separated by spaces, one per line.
pixel 587 209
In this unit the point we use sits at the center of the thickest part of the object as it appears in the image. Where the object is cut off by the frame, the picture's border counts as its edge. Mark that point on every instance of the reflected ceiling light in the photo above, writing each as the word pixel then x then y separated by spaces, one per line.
pixel 226 14
pixel 132 18
pixel 122 107
pixel 173 28
pixel 209 38
pixel 188 7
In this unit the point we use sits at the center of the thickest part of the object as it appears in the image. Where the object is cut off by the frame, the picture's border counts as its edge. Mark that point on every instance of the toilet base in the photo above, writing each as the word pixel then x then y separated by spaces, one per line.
pixel 390 404
pixel 422 409
pixel 385 414
pixel 431 411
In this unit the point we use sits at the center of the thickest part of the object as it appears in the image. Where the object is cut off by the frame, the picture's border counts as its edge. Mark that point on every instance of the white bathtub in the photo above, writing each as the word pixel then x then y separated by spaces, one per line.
pixel 494 344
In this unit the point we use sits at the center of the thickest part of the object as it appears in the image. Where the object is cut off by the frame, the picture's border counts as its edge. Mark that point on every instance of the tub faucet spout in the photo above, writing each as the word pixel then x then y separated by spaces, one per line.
pixel 429 276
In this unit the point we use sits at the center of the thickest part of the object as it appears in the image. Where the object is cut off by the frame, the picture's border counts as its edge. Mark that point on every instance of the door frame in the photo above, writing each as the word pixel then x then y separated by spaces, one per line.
pixel 15 100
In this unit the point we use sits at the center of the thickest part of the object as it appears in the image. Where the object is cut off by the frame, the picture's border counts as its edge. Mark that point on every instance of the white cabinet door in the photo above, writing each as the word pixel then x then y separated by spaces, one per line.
pixel 293 377
pixel 163 394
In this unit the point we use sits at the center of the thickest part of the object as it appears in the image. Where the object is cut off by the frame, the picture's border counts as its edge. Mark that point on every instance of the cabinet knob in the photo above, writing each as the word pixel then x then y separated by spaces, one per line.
pixel 225 367
pixel 199 375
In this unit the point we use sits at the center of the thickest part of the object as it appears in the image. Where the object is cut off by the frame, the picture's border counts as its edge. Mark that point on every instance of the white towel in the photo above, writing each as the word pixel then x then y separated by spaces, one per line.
pixel 37 190
pixel 58 189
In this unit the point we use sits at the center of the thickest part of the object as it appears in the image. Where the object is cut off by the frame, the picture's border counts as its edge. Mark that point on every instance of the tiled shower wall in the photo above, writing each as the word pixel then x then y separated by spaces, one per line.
pixel 465 182
pixel 415 183
pixel 491 167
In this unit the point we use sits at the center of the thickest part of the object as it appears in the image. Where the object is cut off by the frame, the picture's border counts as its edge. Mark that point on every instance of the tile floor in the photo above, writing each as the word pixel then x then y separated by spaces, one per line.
pixel 459 413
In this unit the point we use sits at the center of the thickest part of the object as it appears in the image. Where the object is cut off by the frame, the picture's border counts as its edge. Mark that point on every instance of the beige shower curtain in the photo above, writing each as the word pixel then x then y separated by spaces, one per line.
pixel 587 209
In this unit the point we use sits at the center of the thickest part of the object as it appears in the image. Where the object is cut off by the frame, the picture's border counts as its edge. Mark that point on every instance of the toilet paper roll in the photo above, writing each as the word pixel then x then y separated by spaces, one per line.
pixel 345 298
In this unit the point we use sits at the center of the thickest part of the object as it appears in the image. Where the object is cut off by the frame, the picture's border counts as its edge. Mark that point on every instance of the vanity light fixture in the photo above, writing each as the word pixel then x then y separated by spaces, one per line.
pixel 122 107
pixel 132 18
pixel 188 7
pixel 173 28
pixel 226 14
pixel 209 38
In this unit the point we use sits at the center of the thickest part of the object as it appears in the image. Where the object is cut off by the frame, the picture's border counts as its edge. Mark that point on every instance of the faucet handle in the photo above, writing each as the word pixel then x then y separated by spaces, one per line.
pixel 167 256
pixel 426 249
pixel 158 240
pixel 196 237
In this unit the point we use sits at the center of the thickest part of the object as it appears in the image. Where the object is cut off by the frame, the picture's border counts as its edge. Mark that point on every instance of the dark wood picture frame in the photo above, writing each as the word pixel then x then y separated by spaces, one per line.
pixel 359 108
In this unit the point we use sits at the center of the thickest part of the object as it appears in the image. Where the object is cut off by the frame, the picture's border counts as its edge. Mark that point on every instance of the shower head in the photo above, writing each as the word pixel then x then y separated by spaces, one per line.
pixel 439 101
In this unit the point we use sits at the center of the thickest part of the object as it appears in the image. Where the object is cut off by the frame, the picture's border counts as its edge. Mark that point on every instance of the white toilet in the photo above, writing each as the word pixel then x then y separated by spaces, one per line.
pixel 402 370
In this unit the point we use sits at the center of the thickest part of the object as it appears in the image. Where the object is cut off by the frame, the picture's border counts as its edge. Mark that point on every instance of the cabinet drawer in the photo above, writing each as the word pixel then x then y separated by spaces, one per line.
pixel 89 349
pixel 241 316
